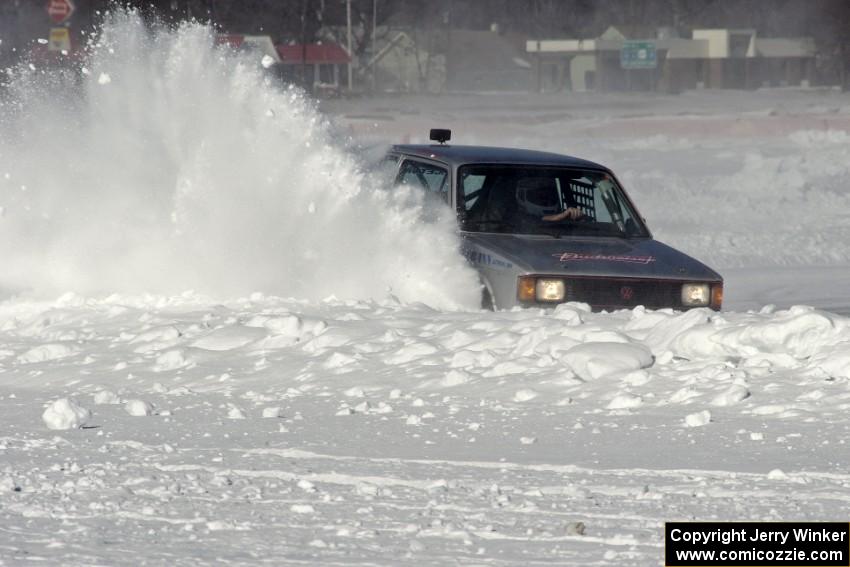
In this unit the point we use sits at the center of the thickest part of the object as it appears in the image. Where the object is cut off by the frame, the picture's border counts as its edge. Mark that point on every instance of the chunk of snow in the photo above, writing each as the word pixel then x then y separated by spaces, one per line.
pixel 777 474
pixel 771 409
pixel 235 412
pixel 367 489
pixel 637 378
pixel 65 413
pixel 45 353
pixel 594 360
pixel 138 408
pixel 106 397
pixel 271 412
pixel 455 378
pixel 170 360
pixel 731 396
pixel 229 338
pixel 525 395
pixel 698 419
pixel 625 401
pixel 339 360
pixel 355 392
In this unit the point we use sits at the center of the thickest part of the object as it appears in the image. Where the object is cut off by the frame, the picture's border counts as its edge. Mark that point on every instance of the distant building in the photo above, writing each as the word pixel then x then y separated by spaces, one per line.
pixel 711 58
pixel 456 60
pixel 259 45
pixel 741 59
pixel 478 61
pixel 325 64
pixel 403 64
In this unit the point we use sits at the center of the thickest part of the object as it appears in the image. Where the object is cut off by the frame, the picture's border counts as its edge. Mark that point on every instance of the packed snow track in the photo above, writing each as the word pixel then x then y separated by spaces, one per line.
pixel 279 431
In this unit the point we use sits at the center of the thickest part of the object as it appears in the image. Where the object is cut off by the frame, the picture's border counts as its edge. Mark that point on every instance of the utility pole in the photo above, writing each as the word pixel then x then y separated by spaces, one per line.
pixel 449 59
pixel 374 44
pixel 308 87
pixel 350 54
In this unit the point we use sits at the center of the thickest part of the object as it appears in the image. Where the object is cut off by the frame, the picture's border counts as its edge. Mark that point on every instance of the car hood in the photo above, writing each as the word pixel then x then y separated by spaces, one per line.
pixel 594 256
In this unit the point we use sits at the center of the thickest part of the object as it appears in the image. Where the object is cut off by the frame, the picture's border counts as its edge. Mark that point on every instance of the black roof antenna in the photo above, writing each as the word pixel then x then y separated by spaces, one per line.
pixel 440 135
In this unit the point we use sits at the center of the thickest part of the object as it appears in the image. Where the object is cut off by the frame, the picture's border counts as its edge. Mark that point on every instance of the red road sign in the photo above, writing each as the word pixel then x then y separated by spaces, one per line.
pixel 59 10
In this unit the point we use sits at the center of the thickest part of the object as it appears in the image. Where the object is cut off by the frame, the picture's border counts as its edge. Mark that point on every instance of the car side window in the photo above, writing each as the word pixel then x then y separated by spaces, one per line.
pixel 472 184
pixel 432 178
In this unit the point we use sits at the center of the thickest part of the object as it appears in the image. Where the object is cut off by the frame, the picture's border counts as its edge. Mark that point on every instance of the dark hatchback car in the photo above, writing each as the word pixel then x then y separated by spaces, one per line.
pixel 543 229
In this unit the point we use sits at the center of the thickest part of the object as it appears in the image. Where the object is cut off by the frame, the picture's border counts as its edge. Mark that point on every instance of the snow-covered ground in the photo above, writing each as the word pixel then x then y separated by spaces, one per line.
pixel 328 394
pixel 268 430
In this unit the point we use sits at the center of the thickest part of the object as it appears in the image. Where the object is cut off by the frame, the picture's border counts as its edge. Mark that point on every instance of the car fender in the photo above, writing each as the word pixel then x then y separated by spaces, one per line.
pixel 487 288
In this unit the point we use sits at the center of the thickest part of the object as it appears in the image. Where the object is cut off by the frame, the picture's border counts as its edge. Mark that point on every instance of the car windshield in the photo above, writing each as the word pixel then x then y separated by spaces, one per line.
pixel 553 201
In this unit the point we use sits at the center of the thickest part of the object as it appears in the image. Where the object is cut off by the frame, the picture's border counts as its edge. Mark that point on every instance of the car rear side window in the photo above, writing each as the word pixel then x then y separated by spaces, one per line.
pixel 432 178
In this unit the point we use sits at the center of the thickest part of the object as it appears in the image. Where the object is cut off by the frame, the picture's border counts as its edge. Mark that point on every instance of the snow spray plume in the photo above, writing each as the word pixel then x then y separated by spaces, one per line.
pixel 176 165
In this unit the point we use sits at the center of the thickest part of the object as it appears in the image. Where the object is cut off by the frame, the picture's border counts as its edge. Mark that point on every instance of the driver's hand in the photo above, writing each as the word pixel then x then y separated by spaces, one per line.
pixel 571 213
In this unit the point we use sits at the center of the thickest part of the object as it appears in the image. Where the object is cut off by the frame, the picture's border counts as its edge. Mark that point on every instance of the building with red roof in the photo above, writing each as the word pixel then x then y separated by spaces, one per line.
pixel 321 62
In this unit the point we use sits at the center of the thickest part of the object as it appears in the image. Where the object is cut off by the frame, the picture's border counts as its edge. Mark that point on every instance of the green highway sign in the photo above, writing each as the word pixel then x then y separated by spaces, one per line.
pixel 638 55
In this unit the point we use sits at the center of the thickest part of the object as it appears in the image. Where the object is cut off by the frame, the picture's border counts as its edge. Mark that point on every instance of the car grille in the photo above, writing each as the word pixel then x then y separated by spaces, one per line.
pixel 610 293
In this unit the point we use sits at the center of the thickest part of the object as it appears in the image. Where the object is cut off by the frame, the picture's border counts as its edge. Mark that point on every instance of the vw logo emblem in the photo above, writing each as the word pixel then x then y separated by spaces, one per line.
pixel 627 292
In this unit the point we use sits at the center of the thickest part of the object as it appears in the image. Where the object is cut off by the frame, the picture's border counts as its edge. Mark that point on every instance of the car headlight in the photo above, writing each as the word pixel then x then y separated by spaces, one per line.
pixel 543 290
pixel 696 295
pixel 550 290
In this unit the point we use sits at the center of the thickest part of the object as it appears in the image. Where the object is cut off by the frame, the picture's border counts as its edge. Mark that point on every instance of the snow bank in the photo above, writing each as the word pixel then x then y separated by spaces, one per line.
pixel 367 354
pixel 205 176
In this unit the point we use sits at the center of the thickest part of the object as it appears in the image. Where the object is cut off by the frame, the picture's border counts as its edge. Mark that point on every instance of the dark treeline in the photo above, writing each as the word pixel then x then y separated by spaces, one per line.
pixel 537 18
pixel 827 21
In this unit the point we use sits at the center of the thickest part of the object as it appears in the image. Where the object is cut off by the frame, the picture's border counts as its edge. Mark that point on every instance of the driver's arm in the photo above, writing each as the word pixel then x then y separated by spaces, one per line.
pixel 571 213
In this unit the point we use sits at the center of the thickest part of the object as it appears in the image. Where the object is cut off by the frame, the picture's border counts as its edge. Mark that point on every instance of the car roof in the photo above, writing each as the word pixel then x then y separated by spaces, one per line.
pixel 462 155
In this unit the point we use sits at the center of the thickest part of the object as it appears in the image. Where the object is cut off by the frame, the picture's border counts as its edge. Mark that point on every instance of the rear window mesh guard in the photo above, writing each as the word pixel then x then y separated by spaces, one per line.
pixel 583 195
